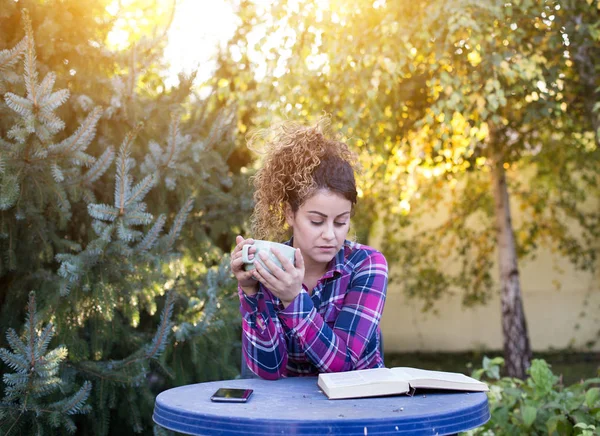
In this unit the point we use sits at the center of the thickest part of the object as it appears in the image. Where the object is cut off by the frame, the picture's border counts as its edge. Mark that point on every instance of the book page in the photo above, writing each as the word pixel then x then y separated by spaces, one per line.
pixel 417 374
pixel 361 383
pixel 438 379
pixel 360 377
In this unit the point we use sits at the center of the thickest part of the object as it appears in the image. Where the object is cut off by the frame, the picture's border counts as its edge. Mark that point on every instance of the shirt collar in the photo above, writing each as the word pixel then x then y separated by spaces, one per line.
pixel 335 265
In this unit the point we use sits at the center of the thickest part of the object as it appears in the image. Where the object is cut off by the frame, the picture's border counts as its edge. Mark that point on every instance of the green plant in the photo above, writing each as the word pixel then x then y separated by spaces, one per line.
pixel 35 377
pixel 539 404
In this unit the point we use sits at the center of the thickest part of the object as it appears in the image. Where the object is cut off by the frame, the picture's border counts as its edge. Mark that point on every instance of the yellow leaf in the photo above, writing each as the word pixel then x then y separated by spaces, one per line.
pixel 483 132
pixel 474 58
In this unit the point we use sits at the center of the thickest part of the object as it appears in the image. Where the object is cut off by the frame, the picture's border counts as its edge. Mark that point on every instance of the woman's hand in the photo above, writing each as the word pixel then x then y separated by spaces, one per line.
pixel 284 283
pixel 245 280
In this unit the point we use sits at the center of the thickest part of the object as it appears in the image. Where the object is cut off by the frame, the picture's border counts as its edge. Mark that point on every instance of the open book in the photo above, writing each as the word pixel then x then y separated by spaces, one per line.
pixel 392 381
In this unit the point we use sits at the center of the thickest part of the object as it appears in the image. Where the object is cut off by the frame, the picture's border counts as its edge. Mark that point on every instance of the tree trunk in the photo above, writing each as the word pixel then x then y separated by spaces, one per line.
pixel 585 52
pixel 517 351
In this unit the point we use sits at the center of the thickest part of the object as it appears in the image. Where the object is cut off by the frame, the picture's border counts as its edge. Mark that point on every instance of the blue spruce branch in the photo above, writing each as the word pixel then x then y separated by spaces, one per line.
pixel 175 142
pixel 75 145
pixel 141 189
pixel 63 200
pixel 20 105
pixel 124 166
pixel 204 307
pixel 167 163
pixel 35 376
pixel 37 108
pixel 15 343
pixel 103 212
pixel 164 329
pixel 178 223
pixel 9 191
pixel 44 340
pixel 45 87
pixel 75 403
pixel 57 173
pixel 153 234
pixel 30 58
pixel 132 371
pixel 128 211
pixel 126 234
pixel 10 57
pixel 137 218
pixel 99 168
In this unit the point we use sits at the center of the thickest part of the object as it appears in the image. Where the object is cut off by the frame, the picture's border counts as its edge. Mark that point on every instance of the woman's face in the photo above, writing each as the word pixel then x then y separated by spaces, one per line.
pixel 320 226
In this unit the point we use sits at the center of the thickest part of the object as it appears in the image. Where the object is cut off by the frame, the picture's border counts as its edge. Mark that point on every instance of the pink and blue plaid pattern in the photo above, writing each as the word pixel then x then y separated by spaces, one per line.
pixel 335 329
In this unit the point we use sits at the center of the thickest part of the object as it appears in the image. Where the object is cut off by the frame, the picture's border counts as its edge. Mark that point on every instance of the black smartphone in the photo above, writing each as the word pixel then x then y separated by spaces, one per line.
pixel 231 395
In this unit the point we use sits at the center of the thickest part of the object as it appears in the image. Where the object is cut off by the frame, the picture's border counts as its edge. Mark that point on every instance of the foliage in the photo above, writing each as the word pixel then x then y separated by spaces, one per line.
pixel 36 376
pixel 540 404
pixel 431 93
pixel 116 206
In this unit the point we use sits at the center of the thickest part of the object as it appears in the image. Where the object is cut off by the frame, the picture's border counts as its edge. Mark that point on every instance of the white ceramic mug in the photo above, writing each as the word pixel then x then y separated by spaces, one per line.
pixel 265 247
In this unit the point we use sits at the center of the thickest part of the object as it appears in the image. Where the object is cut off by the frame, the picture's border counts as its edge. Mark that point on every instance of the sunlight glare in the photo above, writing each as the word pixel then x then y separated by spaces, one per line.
pixel 198 29
pixel 134 20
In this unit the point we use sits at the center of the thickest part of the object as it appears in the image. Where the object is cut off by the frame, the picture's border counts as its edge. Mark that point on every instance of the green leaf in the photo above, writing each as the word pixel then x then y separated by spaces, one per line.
pixel 492 367
pixel 542 378
pixel 564 427
pixel 591 381
pixel 592 397
pixel 574 403
pixel 528 413
pixel 587 429
pixel 552 423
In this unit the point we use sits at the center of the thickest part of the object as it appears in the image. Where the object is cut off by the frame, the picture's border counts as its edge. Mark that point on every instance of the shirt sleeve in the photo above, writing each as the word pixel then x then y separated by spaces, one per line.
pixel 263 341
pixel 341 348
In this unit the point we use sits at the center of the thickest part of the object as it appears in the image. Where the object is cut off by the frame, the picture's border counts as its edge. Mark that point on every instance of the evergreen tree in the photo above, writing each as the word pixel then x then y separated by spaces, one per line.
pixel 35 377
pixel 123 245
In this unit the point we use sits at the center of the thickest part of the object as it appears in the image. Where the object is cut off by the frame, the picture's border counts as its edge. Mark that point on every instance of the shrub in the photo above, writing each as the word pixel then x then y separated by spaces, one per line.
pixel 539 404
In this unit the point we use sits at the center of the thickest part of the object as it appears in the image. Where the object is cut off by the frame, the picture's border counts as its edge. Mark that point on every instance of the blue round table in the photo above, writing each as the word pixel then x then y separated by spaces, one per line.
pixel 296 406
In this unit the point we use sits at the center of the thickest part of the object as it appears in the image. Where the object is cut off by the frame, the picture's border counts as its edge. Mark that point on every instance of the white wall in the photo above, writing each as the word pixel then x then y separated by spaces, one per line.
pixel 552 314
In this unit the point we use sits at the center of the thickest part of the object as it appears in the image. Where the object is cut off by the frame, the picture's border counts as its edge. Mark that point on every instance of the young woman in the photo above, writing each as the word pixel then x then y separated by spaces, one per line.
pixel 322 312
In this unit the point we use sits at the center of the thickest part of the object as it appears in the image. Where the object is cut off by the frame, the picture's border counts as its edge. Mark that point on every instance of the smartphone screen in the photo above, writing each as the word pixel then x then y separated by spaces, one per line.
pixel 230 395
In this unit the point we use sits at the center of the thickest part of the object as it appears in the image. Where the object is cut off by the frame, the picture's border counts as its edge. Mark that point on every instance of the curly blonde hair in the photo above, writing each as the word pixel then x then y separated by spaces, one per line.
pixel 298 160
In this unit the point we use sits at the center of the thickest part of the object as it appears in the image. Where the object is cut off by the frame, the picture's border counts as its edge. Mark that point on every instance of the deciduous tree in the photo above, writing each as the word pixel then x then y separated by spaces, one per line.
pixel 463 108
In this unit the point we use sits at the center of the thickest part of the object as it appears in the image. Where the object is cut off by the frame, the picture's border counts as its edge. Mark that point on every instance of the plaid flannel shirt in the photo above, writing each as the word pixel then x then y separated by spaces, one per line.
pixel 335 329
